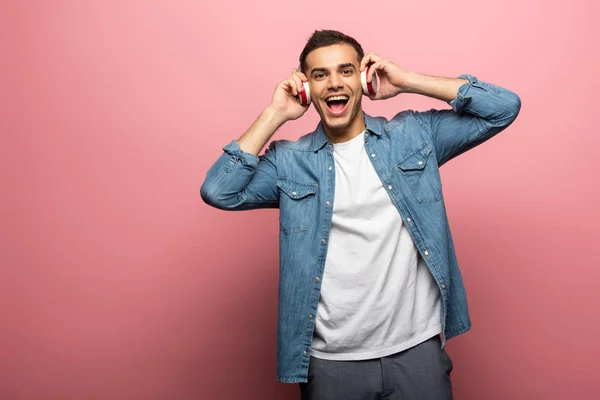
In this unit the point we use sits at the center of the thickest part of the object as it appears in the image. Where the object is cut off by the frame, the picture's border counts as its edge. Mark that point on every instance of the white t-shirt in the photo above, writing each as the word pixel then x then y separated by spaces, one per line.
pixel 377 295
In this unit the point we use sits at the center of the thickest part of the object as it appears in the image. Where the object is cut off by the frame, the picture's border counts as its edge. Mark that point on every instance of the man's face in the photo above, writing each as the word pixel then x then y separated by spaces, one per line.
pixel 334 78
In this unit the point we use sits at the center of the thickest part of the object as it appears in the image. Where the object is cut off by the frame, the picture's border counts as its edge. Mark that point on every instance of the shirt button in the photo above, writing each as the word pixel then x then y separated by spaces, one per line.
pixel 408 219
pixel 330 168
pixel 426 253
pixel 420 162
pixel 293 193
pixel 327 204
pixel 304 353
pixel 317 279
pixel 390 187
pixel 443 286
pixel 323 240
pixel 373 155
pixel 310 316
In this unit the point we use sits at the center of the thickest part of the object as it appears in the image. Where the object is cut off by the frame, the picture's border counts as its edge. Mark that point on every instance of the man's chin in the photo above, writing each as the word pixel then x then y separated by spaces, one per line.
pixel 337 123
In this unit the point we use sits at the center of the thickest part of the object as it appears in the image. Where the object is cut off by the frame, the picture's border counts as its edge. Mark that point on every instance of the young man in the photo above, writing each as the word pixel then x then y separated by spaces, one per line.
pixel 370 289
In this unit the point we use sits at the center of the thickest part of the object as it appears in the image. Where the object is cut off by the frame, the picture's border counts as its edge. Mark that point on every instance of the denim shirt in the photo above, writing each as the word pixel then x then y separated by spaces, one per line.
pixel 298 177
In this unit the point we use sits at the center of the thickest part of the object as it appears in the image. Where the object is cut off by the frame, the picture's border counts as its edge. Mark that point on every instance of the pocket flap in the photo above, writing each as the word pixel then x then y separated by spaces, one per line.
pixel 417 159
pixel 296 190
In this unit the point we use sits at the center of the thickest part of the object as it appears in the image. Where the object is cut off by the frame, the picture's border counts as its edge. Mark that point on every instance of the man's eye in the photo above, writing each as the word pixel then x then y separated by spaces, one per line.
pixel 347 71
pixel 319 75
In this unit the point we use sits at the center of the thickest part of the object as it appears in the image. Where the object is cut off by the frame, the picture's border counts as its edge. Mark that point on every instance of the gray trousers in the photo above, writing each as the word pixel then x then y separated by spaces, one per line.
pixel 419 373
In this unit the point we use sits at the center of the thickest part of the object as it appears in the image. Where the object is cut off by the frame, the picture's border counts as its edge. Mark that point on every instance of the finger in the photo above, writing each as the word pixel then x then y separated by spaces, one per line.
pixel 374 67
pixel 364 62
pixel 300 74
pixel 378 66
pixel 292 86
pixel 302 77
pixel 368 59
pixel 297 82
pixel 288 87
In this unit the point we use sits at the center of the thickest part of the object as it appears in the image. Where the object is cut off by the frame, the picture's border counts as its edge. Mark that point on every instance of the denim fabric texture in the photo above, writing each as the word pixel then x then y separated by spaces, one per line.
pixel 298 177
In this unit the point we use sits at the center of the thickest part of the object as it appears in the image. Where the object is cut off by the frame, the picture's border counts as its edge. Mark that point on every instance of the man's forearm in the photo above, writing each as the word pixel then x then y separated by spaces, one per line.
pixel 261 131
pixel 439 88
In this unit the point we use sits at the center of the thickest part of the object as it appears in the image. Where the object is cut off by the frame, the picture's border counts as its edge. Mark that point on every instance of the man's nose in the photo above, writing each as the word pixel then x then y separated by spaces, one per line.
pixel 334 81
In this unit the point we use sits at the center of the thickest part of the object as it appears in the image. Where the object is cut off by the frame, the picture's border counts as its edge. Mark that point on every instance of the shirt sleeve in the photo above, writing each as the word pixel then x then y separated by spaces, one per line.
pixel 479 111
pixel 239 180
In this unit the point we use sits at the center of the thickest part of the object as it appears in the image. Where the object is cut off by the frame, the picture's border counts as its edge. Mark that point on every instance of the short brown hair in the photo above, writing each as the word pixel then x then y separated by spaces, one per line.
pixel 325 38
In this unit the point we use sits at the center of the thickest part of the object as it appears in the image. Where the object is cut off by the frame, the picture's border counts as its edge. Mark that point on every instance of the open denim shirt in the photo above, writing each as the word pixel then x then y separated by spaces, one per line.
pixel 298 177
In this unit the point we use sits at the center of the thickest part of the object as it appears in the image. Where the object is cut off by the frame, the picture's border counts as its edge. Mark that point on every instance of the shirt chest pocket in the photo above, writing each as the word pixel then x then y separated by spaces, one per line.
pixel 421 173
pixel 296 205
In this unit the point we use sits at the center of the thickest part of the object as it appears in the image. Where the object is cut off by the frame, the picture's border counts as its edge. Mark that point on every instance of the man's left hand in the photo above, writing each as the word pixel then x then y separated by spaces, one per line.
pixel 391 77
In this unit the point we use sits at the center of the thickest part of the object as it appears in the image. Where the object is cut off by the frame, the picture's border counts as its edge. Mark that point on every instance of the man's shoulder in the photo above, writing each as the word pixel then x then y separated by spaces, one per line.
pixel 385 124
pixel 303 143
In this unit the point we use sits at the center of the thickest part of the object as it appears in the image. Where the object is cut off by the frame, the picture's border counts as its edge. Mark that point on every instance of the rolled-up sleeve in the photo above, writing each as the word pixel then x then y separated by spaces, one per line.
pixel 479 111
pixel 247 159
pixel 239 180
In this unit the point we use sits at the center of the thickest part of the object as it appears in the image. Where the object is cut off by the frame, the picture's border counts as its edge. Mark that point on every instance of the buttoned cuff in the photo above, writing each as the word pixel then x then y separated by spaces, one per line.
pixel 462 98
pixel 248 159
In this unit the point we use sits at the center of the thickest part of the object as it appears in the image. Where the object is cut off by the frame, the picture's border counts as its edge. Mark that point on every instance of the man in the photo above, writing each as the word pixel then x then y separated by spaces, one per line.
pixel 370 290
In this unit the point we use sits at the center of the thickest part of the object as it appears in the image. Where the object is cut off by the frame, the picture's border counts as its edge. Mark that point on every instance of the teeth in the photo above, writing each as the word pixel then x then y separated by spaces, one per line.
pixel 337 98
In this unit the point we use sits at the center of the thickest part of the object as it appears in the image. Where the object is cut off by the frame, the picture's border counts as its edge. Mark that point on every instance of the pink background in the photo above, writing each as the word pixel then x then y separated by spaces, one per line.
pixel 117 282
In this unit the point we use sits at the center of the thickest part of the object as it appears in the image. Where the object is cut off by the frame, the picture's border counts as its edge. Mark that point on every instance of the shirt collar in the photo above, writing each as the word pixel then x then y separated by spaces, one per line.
pixel 320 138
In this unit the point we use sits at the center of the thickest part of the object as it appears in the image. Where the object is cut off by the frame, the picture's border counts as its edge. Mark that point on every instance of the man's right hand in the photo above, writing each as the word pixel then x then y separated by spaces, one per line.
pixel 284 107
pixel 284 102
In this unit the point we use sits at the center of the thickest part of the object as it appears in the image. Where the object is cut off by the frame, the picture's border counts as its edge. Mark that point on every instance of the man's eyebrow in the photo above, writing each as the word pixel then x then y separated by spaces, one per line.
pixel 341 66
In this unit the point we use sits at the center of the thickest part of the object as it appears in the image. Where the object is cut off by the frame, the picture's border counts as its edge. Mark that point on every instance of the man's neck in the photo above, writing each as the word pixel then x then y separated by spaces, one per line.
pixel 348 133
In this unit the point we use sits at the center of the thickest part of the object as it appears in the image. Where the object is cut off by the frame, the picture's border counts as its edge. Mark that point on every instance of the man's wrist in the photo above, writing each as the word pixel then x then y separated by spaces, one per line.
pixel 274 117
pixel 411 82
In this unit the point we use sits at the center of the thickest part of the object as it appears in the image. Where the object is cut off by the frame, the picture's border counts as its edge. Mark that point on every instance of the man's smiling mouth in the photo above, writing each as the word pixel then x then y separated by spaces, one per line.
pixel 337 103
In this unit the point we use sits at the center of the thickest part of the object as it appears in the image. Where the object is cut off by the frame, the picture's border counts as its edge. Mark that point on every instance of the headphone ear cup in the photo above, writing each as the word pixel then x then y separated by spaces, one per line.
pixel 304 96
pixel 368 88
